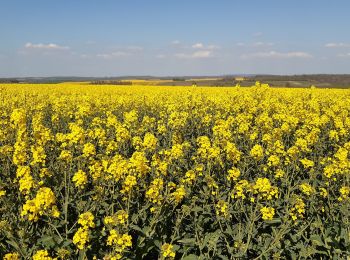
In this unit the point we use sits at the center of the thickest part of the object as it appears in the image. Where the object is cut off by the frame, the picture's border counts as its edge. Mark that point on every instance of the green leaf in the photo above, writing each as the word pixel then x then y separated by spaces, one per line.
pixel 47 241
pixel 14 244
pixel 188 241
pixel 134 227
pixel 274 221
pixel 157 243
pixel 317 240
pixel 190 257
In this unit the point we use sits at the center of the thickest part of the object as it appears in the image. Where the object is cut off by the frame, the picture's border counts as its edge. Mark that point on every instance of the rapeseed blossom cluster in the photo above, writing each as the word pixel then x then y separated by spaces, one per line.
pixel 44 203
pixel 82 237
pixel 167 251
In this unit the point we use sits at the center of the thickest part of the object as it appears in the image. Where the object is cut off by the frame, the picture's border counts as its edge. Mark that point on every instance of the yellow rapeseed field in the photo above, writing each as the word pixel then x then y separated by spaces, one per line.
pixel 132 172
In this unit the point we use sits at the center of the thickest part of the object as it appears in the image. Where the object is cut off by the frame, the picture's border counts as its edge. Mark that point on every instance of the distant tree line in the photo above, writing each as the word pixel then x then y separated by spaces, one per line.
pixel 9 81
pixel 111 82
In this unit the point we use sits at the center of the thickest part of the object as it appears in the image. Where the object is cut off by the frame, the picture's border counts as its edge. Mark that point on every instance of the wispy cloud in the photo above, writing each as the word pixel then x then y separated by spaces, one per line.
pixel 200 45
pixel 197 51
pixel 202 54
pixel 255 44
pixel 344 55
pixel 160 56
pixel 121 52
pixel 113 55
pixel 85 56
pixel 263 44
pixel 277 55
pixel 337 45
pixel 175 42
pixel 195 55
pixel 41 46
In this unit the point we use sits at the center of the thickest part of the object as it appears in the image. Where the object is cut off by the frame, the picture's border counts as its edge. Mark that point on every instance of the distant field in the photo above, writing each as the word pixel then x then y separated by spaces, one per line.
pixel 303 81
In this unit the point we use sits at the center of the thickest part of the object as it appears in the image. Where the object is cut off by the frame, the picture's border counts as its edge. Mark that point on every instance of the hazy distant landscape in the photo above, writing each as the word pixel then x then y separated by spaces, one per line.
pixel 294 81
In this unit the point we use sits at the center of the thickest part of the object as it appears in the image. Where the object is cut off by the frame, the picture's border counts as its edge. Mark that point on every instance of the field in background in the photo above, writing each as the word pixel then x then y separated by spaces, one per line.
pixel 294 81
pixel 126 172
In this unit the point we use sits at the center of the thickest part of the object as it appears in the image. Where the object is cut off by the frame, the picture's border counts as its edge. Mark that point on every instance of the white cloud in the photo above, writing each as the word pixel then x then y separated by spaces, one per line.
pixel 112 55
pixel 204 47
pixel 175 42
pixel 337 45
pixel 85 56
pixel 195 55
pixel 202 54
pixel 260 44
pixel 212 47
pixel 198 46
pixel 274 54
pixel 255 44
pixel 160 56
pixel 41 46
pixel 344 55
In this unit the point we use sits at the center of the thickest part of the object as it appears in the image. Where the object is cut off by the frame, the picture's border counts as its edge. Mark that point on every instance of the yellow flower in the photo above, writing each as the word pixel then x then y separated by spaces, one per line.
pixel 11 256
pixel 298 210
pixel 121 217
pixel 42 255
pixel 257 152
pixel 66 155
pixel 45 172
pixel 139 163
pixel 279 173
pixel 273 160
pixel 306 188
pixel 233 174
pixel 86 220
pixel 26 183
pixel 167 251
pixel 63 253
pixel 120 242
pixel 20 154
pixel 190 176
pixel 89 150
pixel 323 192
pixel 42 204
pixel 264 188
pixel 113 237
pixel 39 155
pixel 81 238
pixel 179 194
pixel 150 142
pixel 267 213
pixel 307 163
pixel 80 179
pixel 344 193
pixel 2 193
pixel 240 189
pixel 222 208
pixel 153 194
pixel 18 117
pixel 55 212
pixel 128 184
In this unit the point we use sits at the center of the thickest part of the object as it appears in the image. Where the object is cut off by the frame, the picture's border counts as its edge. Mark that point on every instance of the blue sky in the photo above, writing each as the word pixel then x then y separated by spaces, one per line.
pixel 163 37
